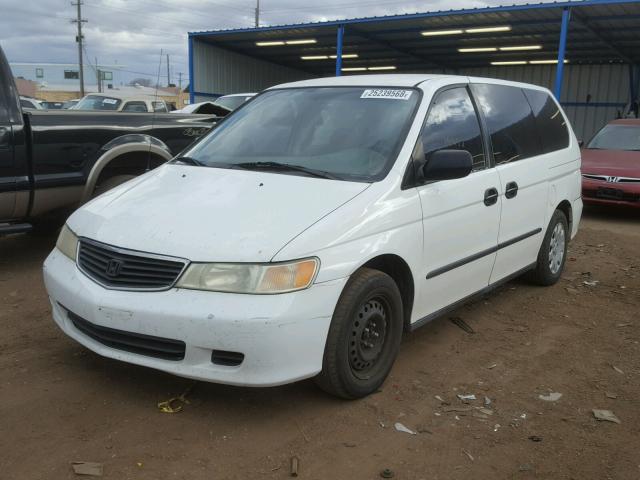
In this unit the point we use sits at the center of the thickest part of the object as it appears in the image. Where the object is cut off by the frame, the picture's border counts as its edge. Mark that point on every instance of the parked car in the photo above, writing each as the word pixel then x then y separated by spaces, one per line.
pixel 611 165
pixel 28 103
pixel 70 103
pixel 51 161
pixel 207 108
pixel 303 235
pixel 234 100
pixel 220 106
pixel 114 102
pixel 52 105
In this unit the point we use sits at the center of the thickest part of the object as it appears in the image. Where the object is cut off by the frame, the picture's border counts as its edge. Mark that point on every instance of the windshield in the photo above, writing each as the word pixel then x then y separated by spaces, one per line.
pixel 617 137
pixel 231 102
pixel 98 102
pixel 351 133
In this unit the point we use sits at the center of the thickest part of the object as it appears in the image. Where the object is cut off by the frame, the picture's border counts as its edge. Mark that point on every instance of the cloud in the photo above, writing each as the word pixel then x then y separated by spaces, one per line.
pixel 133 32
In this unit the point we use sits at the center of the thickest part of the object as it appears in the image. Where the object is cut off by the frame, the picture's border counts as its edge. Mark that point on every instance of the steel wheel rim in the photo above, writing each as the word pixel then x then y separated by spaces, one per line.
pixel 556 248
pixel 368 336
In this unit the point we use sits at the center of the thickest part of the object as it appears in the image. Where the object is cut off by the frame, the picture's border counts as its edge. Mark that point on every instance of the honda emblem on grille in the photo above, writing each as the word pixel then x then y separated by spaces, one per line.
pixel 612 179
pixel 113 267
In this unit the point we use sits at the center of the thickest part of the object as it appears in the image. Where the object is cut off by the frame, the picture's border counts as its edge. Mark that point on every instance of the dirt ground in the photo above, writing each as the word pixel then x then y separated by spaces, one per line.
pixel 61 403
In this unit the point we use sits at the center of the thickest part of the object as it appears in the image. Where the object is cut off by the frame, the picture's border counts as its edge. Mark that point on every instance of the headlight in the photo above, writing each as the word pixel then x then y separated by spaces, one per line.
pixel 250 278
pixel 67 243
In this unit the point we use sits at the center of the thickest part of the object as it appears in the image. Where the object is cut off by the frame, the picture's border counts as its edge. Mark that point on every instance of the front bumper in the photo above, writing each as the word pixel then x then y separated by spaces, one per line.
pixel 597 192
pixel 282 336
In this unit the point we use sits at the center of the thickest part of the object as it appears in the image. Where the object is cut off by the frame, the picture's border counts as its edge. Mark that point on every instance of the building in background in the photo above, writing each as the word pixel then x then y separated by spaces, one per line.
pixel 587 52
pixel 68 74
pixel 59 82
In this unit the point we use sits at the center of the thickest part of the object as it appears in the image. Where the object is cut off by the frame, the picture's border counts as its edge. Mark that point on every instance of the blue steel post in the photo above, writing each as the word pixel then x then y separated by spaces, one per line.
pixel 192 87
pixel 634 81
pixel 339 42
pixel 557 87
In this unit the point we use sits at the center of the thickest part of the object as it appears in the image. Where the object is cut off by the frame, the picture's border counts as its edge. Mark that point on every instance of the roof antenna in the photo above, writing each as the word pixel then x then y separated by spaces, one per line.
pixel 153 106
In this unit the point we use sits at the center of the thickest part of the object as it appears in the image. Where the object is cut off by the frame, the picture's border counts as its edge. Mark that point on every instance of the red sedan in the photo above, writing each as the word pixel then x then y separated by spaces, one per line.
pixel 611 165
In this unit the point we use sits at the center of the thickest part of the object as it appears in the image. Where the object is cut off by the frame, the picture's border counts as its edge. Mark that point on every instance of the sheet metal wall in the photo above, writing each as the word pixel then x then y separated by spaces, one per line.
pixel 592 94
pixel 219 71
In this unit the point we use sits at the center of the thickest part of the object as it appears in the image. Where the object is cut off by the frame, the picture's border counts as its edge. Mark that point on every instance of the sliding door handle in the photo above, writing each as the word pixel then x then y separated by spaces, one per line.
pixel 511 190
pixel 490 196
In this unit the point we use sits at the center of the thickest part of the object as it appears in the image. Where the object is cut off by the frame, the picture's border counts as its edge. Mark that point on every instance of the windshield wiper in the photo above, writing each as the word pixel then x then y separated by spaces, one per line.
pixel 187 161
pixel 286 167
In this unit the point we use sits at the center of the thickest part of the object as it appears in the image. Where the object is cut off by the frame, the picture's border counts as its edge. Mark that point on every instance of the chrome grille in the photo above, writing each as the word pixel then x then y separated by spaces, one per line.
pixel 123 269
pixel 611 179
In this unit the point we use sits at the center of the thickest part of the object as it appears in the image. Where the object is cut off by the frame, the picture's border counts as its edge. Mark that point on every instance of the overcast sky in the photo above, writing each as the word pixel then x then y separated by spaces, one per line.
pixel 132 32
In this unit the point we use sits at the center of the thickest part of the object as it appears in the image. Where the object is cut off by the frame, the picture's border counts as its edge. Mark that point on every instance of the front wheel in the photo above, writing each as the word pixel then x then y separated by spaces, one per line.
pixel 553 251
pixel 364 336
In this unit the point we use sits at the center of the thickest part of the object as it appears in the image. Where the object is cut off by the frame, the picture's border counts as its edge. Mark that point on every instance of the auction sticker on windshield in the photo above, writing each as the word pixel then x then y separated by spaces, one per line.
pixel 386 93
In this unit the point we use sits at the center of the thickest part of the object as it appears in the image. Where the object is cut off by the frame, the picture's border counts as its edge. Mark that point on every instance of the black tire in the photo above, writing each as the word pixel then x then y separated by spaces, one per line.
pixel 364 336
pixel 544 274
pixel 110 183
pixel 47 226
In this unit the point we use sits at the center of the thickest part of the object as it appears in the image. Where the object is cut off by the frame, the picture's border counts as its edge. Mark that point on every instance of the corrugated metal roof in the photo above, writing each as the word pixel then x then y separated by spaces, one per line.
pixel 601 31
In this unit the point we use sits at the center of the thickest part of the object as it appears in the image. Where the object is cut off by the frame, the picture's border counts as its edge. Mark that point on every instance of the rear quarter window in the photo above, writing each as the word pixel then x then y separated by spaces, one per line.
pixel 552 127
pixel 510 121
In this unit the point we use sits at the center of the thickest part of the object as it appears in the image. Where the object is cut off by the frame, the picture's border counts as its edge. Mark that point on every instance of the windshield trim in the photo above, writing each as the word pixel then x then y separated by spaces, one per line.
pixel 402 138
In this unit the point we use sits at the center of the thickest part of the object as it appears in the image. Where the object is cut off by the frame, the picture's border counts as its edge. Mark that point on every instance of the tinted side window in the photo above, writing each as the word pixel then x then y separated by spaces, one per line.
pixel 510 122
pixel 134 107
pixel 452 123
pixel 551 124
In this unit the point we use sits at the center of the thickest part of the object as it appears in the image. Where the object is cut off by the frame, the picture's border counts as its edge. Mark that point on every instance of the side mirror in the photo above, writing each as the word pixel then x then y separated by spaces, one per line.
pixel 581 143
pixel 447 165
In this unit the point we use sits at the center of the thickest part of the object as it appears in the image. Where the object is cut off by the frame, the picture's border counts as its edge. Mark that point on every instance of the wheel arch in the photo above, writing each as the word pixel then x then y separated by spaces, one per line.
pixel 398 269
pixel 119 148
pixel 565 207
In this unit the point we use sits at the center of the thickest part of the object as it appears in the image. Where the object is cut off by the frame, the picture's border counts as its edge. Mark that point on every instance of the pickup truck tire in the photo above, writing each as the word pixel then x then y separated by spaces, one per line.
pixel 553 251
pixel 46 226
pixel 110 183
pixel 364 336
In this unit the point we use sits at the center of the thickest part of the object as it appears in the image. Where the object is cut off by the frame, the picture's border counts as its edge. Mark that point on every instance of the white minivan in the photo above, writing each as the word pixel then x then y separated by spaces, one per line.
pixel 316 224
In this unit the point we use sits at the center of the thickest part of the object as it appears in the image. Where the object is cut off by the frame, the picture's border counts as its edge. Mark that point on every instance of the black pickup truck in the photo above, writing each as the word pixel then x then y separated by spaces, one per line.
pixel 53 161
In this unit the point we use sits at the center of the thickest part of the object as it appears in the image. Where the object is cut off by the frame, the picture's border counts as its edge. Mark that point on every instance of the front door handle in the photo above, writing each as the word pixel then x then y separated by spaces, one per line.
pixel 490 196
pixel 511 190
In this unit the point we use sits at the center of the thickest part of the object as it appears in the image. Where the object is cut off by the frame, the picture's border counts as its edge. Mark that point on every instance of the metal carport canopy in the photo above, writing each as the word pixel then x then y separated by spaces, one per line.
pixel 585 32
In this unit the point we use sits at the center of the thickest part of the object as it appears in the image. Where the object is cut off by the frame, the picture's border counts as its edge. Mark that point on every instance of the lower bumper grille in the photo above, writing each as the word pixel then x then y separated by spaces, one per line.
pixel 158 347
pixel 612 194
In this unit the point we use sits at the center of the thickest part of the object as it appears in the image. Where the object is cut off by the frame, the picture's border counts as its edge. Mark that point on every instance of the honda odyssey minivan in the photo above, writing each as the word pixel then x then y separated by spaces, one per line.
pixel 317 224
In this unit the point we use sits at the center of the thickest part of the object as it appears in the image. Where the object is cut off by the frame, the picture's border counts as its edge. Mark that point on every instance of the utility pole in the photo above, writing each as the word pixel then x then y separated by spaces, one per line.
pixel 79 21
pixel 257 13
pixel 168 72
pixel 180 80
pixel 98 76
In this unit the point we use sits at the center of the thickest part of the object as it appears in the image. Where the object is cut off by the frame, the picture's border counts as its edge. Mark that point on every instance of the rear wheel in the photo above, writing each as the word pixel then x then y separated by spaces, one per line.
pixel 364 336
pixel 553 251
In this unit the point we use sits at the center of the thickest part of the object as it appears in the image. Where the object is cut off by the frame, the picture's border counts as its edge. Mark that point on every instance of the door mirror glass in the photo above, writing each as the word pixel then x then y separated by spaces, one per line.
pixel 447 165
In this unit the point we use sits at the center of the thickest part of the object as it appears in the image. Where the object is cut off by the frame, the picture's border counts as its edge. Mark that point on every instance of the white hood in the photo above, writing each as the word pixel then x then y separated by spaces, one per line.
pixel 210 214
